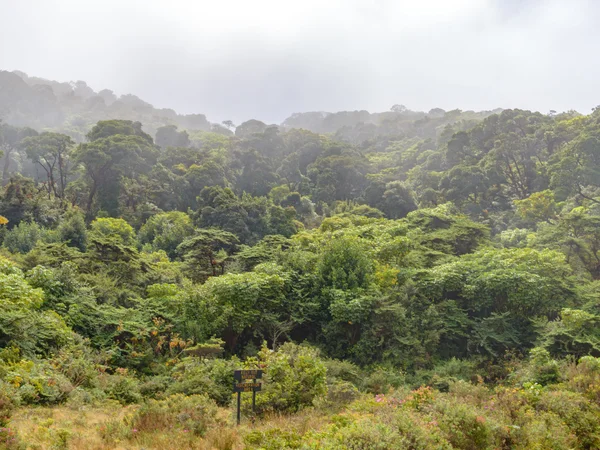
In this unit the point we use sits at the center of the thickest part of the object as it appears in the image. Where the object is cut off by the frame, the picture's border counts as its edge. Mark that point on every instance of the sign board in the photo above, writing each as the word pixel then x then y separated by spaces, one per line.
pixel 247 387
pixel 246 381
pixel 240 375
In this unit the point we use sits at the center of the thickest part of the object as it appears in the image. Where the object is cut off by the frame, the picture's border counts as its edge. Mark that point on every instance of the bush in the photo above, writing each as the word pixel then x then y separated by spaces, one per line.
pixel 9 400
pixel 79 397
pixel 273 439
pixel 213 377
pixel 446 373
pixel 23 237
pixel 545 370
pixel 78 363
pixel 420 433
pixel 463 425
pixel 9 440
pixel 579 414
pixel 343 370
pixel 541 430
pixel 363 434
pixel 585 377
pixel 155 387
pixel 36 382
pixel 341 393
pixel 123 388
pixel 381 380
pixel 294 377
pixel 195 413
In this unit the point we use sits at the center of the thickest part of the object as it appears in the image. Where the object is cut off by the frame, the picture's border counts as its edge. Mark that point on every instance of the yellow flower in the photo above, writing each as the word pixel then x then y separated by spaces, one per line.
pixel 3 220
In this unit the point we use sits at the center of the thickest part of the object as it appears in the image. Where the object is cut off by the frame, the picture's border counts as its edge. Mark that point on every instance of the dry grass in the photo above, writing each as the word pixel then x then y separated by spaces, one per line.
pixel 63 427
pixel 102 428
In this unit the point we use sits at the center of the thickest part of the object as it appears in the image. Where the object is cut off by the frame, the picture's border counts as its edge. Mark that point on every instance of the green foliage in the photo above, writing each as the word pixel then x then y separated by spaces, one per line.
pixel 21 320
pixel 112 228
pixel 212 377
pixel 35 382
pixel 424 250
pixel 166 231
pixel 294 377
pixel 72 230
pixel 24 237
pixel 121 387
pixel 576 333
pixel 9 400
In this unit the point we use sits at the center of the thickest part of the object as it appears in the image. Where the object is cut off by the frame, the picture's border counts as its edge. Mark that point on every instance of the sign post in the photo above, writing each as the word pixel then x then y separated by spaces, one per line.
pixel 246 381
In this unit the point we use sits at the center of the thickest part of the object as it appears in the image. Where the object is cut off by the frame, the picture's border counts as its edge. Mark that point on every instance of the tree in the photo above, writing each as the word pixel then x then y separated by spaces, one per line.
pixel 52 152
pixel 207 251
pixel 228 123
pixel 399 108
pixel 578 167
pixel 165 231
pixel 117 149
pixel 10 137
pixel 398 201
pixel 501 290
pixel 466 185
pixel 538 207
pixel 250 127
pixel 22 321
pixel 168 136
pixel 236 303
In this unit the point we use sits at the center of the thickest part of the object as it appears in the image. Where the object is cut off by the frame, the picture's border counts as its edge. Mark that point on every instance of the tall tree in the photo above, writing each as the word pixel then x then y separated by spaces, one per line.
pixel 117 149
pixel 10 137
pixel 52 152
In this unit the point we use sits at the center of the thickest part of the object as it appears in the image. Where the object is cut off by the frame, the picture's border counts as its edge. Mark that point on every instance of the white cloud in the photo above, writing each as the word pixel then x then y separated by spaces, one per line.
pixel 266 58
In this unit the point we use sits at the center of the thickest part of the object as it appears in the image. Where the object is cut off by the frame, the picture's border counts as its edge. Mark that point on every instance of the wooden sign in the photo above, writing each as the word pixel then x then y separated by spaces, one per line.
pixel 240 375
pixel 246 381
pixel 247 387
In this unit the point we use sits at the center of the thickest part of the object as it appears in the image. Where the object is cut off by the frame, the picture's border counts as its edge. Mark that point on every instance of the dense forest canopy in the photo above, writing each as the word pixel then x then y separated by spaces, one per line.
pixel 155 251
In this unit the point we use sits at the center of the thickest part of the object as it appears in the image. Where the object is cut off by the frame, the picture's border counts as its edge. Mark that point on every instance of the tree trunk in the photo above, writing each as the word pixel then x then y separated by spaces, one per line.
pixel 6 165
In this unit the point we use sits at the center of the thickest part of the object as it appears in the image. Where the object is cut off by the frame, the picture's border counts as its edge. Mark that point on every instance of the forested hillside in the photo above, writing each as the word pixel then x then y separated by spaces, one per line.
pixel 405 279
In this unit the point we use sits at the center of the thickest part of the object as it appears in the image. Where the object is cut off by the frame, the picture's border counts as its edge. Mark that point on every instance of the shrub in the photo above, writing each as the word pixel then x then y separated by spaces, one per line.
pixel 343 370
pixel 419 433
pixel 545 370
pixel 37 382
pixel 195 413
pixel 446 373
pixel 9 400
pixel 341 392
pixel 273 439
pixel 294 377
pixel 579 414
pixel 78 363
pixel 123 388
pixel 213 377
pixel 382 380
pixel 9 440
pixel 585 377
pixel 365 433
pixel 463 425
pixel 79 397
pixel 541 430
pixel 155 387
pixel 23 237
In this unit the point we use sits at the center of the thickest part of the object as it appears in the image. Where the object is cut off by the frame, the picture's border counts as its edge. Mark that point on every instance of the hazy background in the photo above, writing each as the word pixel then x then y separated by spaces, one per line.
pixel 266 59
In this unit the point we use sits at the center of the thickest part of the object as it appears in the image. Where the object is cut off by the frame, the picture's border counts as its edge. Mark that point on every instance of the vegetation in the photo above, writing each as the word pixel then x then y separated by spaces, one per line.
pixel 405 280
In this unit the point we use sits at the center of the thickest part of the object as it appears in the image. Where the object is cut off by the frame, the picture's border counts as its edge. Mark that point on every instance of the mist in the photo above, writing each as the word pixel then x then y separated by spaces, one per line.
pixel 267 59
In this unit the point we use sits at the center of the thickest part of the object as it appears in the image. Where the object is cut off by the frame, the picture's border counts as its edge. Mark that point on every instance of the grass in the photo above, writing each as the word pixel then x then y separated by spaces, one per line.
pixel 104 427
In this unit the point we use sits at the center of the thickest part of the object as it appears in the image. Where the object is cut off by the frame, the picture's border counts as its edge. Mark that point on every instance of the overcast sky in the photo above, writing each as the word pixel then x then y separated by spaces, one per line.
pixel 265 59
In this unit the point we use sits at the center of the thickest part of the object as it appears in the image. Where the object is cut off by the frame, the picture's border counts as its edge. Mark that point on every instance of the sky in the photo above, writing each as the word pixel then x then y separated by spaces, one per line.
pixel 267 59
